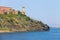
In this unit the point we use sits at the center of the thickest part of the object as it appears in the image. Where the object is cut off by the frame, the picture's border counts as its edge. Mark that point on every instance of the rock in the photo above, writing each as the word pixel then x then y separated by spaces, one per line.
pixel 20 22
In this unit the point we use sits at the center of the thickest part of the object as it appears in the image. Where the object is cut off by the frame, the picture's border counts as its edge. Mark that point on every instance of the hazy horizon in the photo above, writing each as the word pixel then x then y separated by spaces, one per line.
pixel 47 11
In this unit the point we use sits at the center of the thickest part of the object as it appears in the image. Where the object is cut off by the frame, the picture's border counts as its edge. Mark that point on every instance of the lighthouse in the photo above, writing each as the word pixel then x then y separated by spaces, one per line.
pixel 23 10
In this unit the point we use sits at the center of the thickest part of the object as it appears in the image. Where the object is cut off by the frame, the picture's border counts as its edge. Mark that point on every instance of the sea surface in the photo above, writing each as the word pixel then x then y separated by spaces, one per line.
pixel 53 34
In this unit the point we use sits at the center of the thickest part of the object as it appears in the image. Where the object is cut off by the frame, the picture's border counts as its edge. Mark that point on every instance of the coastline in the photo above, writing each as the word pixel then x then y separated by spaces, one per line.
pixel 20 31
pixel 5 31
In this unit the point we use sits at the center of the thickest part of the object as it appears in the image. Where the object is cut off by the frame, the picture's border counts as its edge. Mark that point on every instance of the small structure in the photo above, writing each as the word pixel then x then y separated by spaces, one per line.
pixel 7 10
pixel 15 12
pixel 23 10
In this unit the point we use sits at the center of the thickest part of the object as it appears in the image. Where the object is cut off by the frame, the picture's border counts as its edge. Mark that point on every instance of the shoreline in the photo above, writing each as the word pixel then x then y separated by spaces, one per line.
pixel 5 31
pixel 21 31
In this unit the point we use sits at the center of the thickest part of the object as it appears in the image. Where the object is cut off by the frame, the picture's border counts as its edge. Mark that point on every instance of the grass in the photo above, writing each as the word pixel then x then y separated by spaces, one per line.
pixel 20 21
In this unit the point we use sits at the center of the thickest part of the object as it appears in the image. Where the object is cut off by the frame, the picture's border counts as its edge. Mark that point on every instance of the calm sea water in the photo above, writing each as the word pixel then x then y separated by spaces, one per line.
pixel 53 34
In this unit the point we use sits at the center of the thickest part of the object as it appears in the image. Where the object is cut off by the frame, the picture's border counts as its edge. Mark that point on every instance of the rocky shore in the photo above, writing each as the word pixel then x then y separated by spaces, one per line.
pixel 20 23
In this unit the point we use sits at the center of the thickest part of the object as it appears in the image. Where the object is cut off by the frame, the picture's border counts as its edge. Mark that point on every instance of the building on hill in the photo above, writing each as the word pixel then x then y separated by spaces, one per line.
pixel 7 10
pixel 23 10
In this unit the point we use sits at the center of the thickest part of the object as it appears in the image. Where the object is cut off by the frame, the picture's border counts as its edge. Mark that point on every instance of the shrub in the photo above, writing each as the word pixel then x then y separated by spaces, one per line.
pixel 27 18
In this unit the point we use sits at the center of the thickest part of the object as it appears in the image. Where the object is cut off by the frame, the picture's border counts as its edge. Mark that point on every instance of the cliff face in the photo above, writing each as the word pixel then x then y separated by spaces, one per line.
pixel 20 22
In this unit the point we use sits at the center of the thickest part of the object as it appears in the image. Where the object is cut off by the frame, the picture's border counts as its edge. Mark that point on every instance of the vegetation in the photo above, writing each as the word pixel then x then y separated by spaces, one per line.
pixel 20 22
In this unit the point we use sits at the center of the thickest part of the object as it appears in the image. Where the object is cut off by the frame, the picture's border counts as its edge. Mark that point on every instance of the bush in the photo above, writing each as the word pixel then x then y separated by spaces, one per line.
pixel 27 18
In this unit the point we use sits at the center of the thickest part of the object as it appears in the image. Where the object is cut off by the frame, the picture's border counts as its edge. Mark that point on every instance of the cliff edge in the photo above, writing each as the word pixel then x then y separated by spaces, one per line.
pixel 12 22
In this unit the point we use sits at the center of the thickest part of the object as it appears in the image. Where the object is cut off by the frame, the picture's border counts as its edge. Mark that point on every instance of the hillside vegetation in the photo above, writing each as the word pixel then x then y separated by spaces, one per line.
pixel 20 22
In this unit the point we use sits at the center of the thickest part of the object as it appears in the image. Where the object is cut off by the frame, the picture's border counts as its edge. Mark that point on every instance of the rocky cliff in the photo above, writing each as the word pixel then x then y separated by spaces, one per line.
pixel 11 23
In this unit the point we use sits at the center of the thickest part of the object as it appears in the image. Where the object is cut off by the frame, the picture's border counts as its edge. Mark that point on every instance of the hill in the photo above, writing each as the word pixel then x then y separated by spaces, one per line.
pixel 12 22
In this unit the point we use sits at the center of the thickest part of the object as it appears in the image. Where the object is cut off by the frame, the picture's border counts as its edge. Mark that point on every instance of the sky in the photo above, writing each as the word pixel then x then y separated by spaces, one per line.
pixel 47 11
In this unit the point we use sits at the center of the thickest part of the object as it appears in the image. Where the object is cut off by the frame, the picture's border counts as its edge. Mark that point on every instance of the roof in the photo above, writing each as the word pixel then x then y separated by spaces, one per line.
pixel 4 7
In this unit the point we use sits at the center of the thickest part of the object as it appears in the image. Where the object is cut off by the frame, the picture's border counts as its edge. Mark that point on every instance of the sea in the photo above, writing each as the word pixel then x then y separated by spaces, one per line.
pixel 53 34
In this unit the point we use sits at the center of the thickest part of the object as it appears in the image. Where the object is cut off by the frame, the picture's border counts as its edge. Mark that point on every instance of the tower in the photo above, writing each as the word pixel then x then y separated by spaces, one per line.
pixel 23 10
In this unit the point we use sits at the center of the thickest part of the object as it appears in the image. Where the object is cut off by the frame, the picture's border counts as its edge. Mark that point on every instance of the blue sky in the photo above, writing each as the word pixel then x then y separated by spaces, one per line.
pixel 47 11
